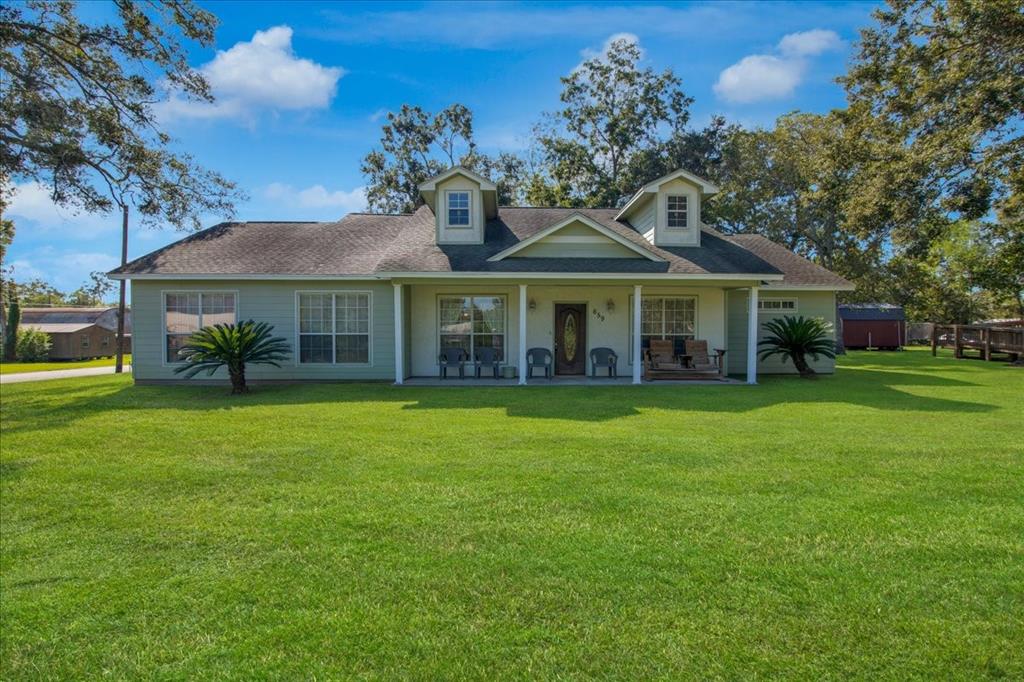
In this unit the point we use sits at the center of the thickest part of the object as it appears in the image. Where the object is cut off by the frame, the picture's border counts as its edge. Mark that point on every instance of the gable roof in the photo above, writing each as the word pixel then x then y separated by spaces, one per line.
pixel 572 218
pixel 430 184
pixel 365 246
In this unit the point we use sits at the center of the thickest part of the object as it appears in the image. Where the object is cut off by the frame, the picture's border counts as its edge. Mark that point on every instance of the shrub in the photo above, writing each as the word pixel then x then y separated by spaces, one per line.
pixel 794 338
pixel 33 345
pixel 232 346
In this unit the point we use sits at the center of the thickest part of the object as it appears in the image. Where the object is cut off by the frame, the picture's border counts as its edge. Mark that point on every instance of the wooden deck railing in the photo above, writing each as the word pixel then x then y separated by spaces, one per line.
pixel 985 340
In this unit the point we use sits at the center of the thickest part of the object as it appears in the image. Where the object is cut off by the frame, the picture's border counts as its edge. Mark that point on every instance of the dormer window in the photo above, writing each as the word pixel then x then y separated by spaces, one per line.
pixel 676 218
pixel 458 208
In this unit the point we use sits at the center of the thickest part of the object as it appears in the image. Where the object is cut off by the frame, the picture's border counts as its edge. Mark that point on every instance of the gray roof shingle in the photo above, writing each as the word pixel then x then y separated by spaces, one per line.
pixel 371 244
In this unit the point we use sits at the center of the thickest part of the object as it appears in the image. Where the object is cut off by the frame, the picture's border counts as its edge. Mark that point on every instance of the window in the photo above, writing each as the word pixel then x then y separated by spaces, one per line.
pixel 105 341
pixel 776 305
pixel 458 209
pixel 189 311
pixel 664 317
pixel 334 328
pixel 85 340
pixel 677 213
pixel 472 322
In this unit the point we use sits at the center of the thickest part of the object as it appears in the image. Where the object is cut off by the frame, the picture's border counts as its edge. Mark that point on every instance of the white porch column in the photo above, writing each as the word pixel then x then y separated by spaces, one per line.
pixel 752 329
pixel 399 337
pixel 522 334
pixel 638 362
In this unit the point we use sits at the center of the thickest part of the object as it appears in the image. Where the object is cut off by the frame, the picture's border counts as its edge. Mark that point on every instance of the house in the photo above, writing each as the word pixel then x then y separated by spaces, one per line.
pixel 376 297
pixel 78 333
pixel 873 325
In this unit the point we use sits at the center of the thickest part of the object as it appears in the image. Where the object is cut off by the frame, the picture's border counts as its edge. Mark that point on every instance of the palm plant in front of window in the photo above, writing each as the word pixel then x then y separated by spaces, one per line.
pixel 232 346
pixel 796 338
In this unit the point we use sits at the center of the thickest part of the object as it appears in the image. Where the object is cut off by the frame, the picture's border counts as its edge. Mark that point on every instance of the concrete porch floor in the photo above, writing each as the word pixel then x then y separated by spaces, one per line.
pixel 561 381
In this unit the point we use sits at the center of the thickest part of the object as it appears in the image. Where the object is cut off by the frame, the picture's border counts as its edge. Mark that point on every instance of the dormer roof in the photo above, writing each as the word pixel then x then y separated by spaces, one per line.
pixel 488 190
pixel 706 188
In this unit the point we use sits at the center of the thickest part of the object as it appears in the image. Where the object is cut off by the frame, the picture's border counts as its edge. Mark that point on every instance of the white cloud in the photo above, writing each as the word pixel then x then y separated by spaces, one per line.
pixel 632 38
pixel 66 270
pixel 261 74
pixel 759 77
pixel 809 43
pixel 316 198
pixel 763 76
pixel 378 115
pixel 31 201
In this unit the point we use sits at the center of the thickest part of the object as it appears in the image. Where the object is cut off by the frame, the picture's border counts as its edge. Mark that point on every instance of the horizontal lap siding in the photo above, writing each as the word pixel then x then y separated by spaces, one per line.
pixel 268 301
pixel 809 304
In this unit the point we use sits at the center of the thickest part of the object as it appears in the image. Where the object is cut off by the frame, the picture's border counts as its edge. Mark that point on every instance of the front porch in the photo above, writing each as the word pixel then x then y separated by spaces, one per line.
pixel 569 320
pixel 471 381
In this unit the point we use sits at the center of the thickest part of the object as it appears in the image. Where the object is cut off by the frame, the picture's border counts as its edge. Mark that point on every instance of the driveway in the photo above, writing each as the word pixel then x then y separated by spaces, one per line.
pixel 57 374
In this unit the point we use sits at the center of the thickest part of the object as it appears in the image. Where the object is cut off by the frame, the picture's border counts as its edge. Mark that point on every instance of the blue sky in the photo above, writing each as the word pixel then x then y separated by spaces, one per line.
pixel 302 88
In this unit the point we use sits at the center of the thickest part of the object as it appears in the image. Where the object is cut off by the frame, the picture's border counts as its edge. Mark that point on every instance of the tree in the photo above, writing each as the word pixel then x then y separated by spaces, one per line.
pixel 795 338
pixel 614 110
pixel 77 108
pixel 795 184
pixel 939 89
pixel 37 292
pixel 92 293
pixel 232 346
pixel 6 237
pixel 11 331
pixel 416 145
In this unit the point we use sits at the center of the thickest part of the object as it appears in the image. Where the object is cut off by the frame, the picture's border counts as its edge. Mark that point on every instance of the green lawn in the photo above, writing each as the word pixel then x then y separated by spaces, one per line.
pixel 866 525
pixel 17 367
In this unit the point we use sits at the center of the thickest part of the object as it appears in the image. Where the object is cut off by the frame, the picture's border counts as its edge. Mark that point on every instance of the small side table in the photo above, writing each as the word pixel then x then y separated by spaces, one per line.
pixel 720 353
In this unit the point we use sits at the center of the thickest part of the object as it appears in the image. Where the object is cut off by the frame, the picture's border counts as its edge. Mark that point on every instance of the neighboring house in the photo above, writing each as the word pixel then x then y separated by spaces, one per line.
pixel 378 296
pixel 78 333
pixel 873 325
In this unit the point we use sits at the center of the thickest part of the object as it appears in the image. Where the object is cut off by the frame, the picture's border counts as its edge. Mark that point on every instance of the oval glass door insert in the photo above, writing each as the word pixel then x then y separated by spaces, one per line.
pixel 569 337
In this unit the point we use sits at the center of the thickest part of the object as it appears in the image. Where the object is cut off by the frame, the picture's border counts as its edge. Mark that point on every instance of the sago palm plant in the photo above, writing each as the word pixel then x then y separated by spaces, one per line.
pixel 795 338
pixel 232 346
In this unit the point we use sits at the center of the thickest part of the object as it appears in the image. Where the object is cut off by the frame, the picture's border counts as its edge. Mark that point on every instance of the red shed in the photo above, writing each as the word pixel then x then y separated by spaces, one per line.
pixel 873 325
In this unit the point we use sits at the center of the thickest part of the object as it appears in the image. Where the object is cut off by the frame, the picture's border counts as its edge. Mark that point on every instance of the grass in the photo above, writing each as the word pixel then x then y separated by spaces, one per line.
pixel 867 525
pixel 18 367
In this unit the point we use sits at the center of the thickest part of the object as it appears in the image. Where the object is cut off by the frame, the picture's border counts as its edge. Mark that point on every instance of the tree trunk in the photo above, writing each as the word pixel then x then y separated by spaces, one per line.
pixel 238 381
pixel 119 361
pixel 800 362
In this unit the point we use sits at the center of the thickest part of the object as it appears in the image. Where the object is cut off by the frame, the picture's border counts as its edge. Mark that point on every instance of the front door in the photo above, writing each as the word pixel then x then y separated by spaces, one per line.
pixel 570 338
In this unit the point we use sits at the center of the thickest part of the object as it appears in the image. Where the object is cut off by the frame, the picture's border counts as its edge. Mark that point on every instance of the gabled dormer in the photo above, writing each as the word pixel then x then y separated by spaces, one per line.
pixel 463 202
pixel 667 211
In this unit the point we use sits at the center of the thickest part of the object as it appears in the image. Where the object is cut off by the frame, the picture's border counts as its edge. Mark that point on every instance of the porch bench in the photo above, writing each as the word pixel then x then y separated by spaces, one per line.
pixel 662 362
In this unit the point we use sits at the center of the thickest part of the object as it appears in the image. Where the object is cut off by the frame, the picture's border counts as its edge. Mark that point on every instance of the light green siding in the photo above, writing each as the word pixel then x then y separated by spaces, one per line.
pixel 607 249
pixel 264 301
pixel 809 303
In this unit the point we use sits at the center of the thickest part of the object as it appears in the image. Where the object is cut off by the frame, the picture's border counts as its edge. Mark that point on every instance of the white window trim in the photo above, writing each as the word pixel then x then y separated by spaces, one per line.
pixel 163 315
pixel 437 322
pixel 763 311
pixel 334 323
pixel 696 315
pixel 447 215
pixel 668 213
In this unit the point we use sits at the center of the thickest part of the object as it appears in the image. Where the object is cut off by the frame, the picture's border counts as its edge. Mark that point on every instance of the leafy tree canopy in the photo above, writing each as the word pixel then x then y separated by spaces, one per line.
pixel 939 86
pixel 77 107
pixel 416 145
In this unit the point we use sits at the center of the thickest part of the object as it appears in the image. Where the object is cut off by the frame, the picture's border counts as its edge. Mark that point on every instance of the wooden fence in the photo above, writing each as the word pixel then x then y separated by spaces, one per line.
pixel 985 340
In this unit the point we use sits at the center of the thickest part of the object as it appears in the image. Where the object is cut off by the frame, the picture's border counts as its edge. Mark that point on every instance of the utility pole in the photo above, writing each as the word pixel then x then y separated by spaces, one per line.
pixel 119 365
